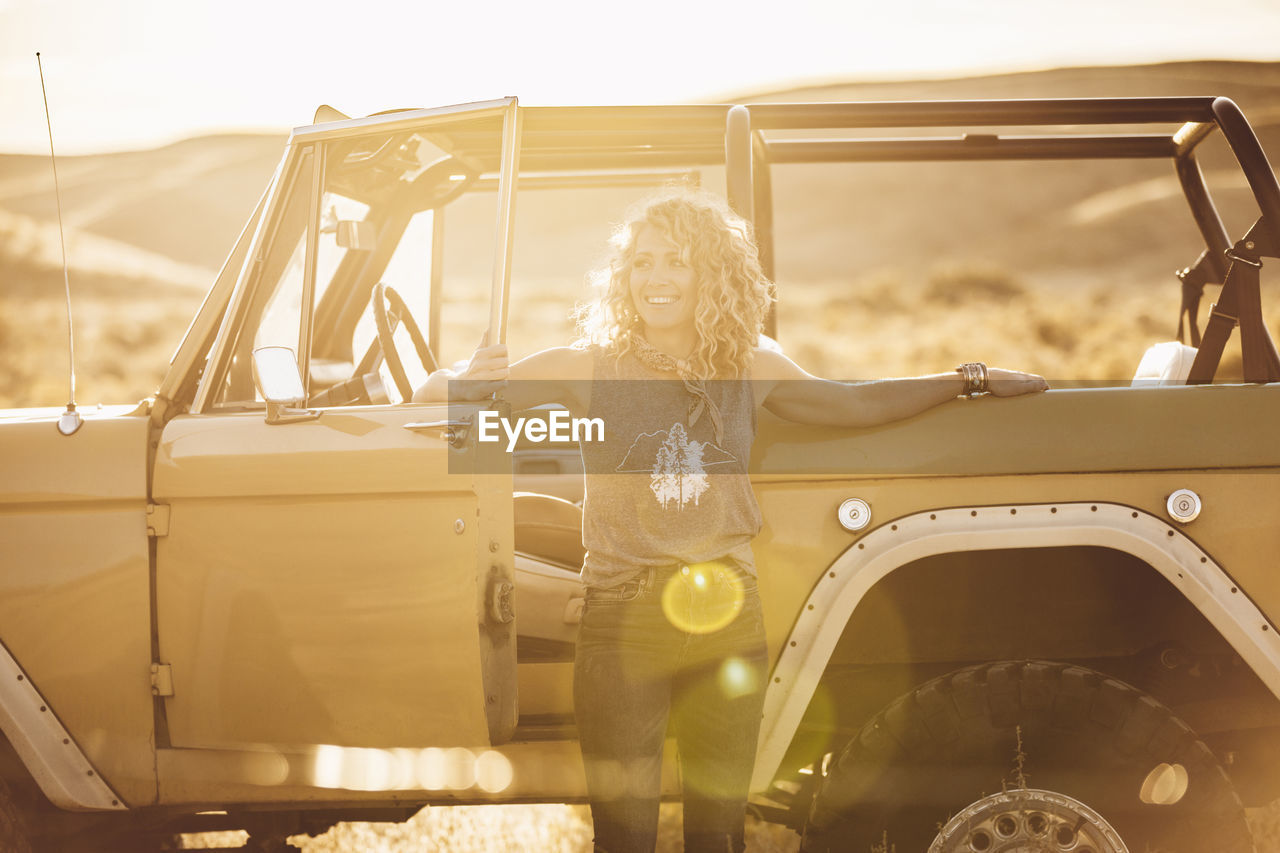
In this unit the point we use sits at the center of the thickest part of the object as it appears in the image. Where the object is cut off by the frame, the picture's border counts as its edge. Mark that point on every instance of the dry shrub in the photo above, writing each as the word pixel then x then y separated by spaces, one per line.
pixel 1055 333
pixel 214 840
pixel 882 323
pixel 464 829
pixel 563 829
pixel 122 347
pixel 480 829
pixel 886 290
pixel 956 284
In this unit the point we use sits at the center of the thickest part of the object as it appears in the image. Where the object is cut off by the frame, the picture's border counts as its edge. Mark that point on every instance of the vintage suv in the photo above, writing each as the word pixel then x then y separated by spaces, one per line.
pixel 276 595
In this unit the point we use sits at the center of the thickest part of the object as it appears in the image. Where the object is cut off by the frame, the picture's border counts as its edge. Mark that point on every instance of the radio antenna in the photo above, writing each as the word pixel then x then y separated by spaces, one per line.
pixel 70 420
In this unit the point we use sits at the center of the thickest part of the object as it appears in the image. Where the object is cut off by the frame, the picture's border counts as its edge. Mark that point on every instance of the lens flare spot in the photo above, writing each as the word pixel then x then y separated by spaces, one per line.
pixel 403 768
pixel 265 768
pixel 430 768
pixel 366 769
pixel 494 772
pixel 737 678
pixel 328 767
pixel 703 599
pixel 459 769
pixel 1165 785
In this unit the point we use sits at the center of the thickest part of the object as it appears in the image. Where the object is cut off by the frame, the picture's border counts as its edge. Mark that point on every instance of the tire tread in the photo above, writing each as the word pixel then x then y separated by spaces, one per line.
pixel 937 720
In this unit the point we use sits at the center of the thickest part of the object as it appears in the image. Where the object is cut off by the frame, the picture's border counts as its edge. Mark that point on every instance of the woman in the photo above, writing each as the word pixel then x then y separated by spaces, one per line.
pixel 672 631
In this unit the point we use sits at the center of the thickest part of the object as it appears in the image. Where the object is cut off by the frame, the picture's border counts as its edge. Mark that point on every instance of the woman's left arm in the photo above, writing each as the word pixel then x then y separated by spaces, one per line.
pixel 796 395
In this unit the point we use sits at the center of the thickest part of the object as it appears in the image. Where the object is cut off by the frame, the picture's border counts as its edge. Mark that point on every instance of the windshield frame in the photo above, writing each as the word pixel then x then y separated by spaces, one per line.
pixel 289 180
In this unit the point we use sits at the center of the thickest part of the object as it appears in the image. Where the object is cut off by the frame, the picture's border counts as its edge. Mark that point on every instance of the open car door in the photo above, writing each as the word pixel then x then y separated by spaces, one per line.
pixel 340 575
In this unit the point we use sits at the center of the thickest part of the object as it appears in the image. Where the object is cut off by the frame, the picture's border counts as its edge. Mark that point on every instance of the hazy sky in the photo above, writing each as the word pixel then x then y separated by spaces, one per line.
pixel 131 73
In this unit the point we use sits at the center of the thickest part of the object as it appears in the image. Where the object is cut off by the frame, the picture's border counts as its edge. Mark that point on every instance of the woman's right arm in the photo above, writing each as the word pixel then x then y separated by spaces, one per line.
pixel 485 373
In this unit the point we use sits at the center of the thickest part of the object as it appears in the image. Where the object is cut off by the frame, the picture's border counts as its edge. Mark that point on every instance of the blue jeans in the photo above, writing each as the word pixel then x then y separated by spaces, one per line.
pixel 679 647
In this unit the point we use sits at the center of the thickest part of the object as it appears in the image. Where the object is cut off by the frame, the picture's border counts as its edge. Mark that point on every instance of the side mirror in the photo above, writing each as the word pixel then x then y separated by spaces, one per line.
pixel 276 376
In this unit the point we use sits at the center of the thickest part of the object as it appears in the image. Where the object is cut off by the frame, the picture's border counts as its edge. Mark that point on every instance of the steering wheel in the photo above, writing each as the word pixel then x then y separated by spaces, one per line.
pixel 389 308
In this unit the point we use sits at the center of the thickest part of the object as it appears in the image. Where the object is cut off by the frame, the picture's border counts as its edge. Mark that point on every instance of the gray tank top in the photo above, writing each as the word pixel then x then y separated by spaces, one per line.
pixel 659 490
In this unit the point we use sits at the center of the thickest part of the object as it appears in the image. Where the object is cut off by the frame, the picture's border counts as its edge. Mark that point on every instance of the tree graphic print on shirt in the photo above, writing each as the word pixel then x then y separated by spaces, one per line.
pixel 678 473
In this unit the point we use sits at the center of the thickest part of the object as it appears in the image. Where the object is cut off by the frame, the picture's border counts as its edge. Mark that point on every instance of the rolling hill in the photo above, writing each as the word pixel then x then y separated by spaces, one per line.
pixel 147 230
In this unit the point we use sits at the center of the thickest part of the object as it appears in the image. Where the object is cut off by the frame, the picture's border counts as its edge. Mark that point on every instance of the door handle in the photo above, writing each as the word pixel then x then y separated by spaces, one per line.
pixel 453 431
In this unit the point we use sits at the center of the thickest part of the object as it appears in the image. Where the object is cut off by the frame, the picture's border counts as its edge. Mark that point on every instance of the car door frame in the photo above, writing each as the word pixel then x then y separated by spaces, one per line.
pixel 207 460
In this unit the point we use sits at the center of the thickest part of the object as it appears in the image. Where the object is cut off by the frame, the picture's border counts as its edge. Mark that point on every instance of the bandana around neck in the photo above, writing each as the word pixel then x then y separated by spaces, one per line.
pixel 655 359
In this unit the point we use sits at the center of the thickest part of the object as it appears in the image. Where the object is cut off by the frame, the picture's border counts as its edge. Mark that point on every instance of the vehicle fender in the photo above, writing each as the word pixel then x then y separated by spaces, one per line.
pixel 75 627
pixel 1193 572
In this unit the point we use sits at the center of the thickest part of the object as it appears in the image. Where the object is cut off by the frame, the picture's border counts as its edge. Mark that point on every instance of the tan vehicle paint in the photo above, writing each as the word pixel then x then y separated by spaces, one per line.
pixel 211 611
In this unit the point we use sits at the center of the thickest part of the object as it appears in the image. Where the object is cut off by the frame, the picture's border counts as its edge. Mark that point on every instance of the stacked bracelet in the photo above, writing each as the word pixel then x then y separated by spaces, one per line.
pixel 975 377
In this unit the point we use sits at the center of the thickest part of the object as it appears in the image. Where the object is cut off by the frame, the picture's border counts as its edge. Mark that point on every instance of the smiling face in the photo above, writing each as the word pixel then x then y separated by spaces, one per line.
pixel 664 288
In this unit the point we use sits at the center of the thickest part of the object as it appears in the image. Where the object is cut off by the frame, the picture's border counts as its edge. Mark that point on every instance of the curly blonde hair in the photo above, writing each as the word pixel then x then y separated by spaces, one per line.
pixel 733 295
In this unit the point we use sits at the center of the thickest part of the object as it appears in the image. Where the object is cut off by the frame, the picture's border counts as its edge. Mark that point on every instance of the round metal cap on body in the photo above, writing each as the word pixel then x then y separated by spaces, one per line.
pixel 1183 506
pixel 854 514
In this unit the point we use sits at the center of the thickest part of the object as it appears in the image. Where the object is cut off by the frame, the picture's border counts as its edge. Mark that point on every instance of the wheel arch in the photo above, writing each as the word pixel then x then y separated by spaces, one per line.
pixel 906 541
pixel 50 754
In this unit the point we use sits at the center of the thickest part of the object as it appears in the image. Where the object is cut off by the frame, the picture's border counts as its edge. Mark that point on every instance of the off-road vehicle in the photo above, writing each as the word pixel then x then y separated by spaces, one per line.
pixel 278 594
